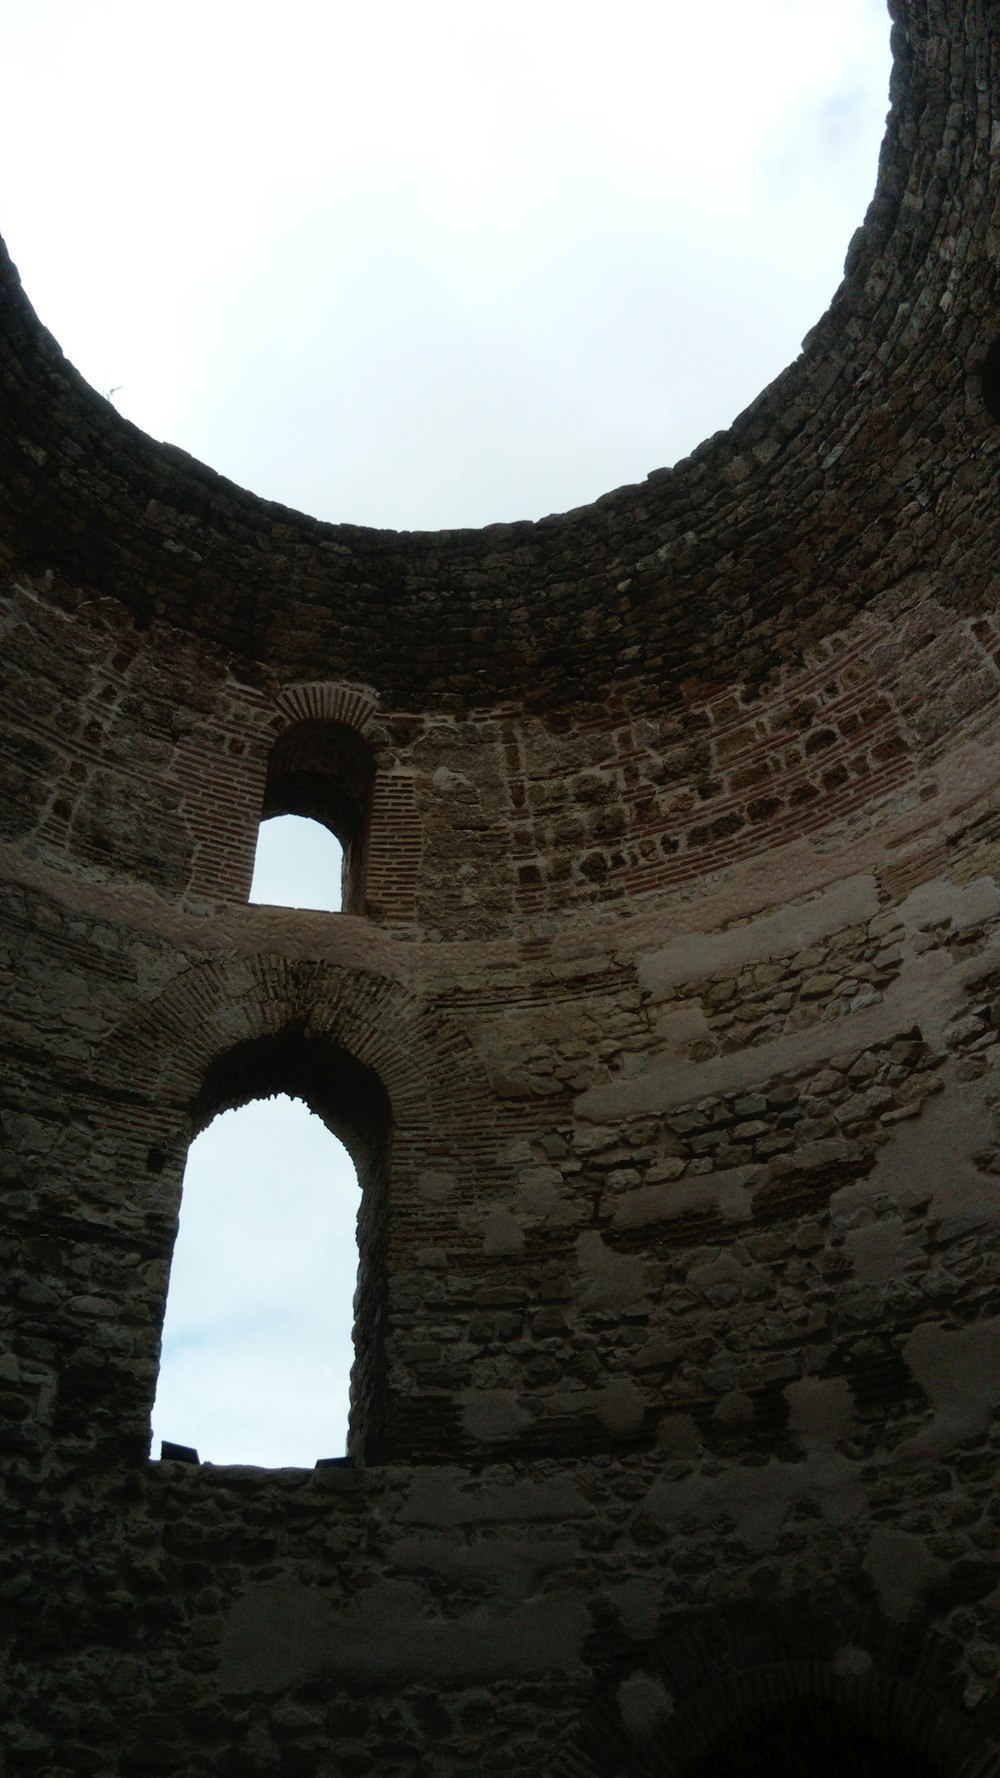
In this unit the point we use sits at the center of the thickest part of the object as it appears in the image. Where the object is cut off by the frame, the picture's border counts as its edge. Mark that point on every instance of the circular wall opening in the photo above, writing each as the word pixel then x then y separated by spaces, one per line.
pixel 419 267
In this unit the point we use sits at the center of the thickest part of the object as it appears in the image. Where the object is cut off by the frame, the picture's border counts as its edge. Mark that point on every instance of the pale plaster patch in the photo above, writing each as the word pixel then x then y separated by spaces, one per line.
pixel 678 1030
pixel 794 928
pixel 727 1191
pixel 540 1191
pixel 881 1251
pixel 758 1499
pixel 723 1269
pixel 821 1409
pixel 502 1234
pixel 922 994
pixel 929 1159
pixel 279 1635
pixel 512 1566
pixel 678 1435
pixel 851 1662
pixel 612 1280
pixel 445 1497
pixel 901 1567
pixel 516 1152
pixel 735 1408
pixel 274 1636
pixel 619 1405
pixel 636 1603
pixel 492 1414
pixel 435 1186
pixel 966 904
pixel 644 1704
pixel 958 1369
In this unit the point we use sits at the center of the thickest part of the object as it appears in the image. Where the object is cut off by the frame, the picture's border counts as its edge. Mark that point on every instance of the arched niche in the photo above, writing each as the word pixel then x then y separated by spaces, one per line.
pixel 801 1688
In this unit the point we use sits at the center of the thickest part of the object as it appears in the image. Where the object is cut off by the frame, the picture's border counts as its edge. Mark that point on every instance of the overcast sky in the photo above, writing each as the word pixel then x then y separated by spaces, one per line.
pixel 417 266
pixel 437 264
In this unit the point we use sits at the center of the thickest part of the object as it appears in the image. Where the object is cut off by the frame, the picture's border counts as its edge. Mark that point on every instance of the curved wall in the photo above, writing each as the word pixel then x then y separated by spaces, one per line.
pixel 676 960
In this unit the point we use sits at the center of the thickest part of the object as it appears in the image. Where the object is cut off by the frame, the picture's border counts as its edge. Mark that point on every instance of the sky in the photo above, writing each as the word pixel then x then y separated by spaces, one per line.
pixel 257 1335
pixel 417 266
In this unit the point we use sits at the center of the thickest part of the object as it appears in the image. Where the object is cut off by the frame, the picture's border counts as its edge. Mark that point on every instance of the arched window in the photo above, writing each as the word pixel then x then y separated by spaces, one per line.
pixel 350 1101
pixel 257 1335
pixel 323 771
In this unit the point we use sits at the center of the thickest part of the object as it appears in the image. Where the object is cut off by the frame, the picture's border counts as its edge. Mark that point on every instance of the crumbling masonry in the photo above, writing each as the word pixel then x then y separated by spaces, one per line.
pixel 664 1026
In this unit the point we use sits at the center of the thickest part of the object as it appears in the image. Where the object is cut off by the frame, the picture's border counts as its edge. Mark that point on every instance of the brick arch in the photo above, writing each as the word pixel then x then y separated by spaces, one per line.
pixel 166 1046
pixel 325 700
pixel 396 1083
pixel 725 1675
pixel 387 879
pixel 227 769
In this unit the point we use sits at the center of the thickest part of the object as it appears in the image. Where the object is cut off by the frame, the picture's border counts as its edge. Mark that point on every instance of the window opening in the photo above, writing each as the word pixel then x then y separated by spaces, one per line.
pixel 298 864
pixel 258 1332
pixel 322 771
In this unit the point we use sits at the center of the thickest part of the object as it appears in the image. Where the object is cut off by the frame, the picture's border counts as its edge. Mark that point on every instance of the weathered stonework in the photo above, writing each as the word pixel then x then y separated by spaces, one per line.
pixel 665 1031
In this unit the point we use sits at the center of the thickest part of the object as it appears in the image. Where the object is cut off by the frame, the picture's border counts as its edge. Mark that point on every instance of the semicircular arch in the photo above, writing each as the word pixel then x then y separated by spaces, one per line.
pixel 425 1063
pixel 719 1680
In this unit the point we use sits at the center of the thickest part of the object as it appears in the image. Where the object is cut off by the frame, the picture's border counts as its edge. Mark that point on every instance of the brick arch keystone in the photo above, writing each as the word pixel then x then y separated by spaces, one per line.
pixel 325 700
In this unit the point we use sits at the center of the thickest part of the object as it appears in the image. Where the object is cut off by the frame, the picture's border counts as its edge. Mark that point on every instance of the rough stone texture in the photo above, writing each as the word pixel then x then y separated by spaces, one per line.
pixel 665 1031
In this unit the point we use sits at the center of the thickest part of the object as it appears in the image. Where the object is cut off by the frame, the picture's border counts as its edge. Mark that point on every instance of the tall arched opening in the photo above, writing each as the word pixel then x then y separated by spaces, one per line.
pixel 349 1099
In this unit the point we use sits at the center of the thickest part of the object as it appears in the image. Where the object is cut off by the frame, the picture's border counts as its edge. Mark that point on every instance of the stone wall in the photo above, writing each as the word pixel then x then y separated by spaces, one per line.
pixel 664 1030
